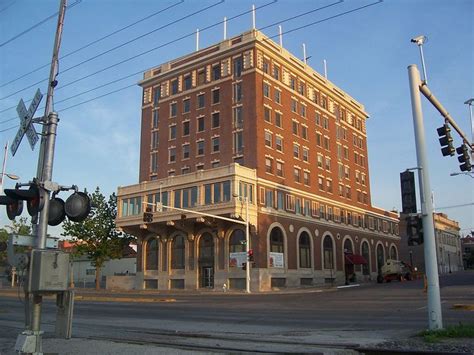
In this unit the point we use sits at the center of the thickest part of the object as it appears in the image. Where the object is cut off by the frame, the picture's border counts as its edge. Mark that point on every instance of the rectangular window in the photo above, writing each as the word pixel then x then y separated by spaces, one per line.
pixel 280 200
pixel 200 125
pixel 266 90
pixel 238 118
pixel 276 72
pixel 216 72
pixel 294 106
pixel 215 144
pixel 200 148
pixel 296 151
pixel 215 96
pixel 290 202
pixel 298 205
pixel 329 186
pixel 156 118
pixel 279 169
pixel 208 194
pixel 237 92
pixel 321 183
pixel 186 105
pixel 278 121
pixel 269 198
pixel 268 139
pixel 172 133
pixel 266 66
pixel 297 174
pixel 217 193
pixel 278 96
pixel 279 143
pixel 154 140
pixel 305 154
pixel 185 151
pixel 328 164
pixel 201 101
pixel 267 114
pixel 154 163
pixel 215 120
pixel 172 155
pixel 156 95
pixel 173 109
pixel 177 198
pixel 295 127
pixel 201 76
pixel 238 67
pixel 187 82
pixel 269 165
pixel 319 139
pixel 238 143
pixel 306 178
pixel 304 132
pixel 186 128
pixel 326 143
pixel 174 87
pixel 320 161
pixel 303 110
pixel 293 83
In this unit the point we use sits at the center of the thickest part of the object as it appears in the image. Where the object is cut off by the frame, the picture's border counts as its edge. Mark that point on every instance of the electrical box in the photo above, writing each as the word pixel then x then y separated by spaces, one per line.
pixel 49 270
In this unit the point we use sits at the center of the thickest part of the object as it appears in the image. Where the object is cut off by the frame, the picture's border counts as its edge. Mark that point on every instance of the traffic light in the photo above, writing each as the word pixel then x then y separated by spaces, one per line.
pixel 77 206
pixel 250 255
pixel 407 183
pixel 148 215
pixel 57 211
pixel 414 230
pixel 33 196
pixel 446 141
pixel 244 266
pixel 14 207
pixel 464 158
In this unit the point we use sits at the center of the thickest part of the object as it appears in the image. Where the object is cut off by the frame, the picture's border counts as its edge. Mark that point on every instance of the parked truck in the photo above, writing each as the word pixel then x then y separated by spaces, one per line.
pixel 395 270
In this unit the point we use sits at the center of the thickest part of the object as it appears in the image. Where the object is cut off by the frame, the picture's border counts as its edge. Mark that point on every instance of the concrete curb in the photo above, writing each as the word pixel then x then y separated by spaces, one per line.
pixel 123 299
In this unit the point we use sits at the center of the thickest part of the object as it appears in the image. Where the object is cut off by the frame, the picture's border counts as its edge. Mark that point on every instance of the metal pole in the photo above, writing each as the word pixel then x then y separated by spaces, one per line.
pixel 5 155
pixel 253 17
pixel 225 28
pixel 469 103
pixel 197 39
pixel 423 64
pixel 434 301
pixel 280 36
pixel 247 245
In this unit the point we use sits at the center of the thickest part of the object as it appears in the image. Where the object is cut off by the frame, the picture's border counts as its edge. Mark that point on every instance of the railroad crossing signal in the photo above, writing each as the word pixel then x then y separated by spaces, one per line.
pixel 26 126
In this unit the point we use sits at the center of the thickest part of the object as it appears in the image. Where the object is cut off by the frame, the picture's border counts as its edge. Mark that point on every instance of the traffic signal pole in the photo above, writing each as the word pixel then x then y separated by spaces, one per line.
pixel 435 320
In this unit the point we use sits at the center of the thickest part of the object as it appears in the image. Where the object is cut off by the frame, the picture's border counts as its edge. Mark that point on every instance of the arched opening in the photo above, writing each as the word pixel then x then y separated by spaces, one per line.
pixel 177 252
pixel 151 254
pixel 349 269
pixel 277 248
pixel 328 251
pixel 393 253
pixel 366 255
pixel 237 254
pixel 380 258
pixel 304 244
pixel 206 260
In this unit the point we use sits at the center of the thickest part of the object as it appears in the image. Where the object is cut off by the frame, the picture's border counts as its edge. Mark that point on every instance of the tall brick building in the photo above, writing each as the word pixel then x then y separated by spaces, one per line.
pixel 246 121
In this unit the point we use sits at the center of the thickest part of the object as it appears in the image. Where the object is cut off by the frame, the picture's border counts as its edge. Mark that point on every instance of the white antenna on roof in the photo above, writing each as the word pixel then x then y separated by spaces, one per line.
pixel 253 17
pixel 280 35
pixel 225 28
pixel 325 69
pixel 197 39
pixel 304 53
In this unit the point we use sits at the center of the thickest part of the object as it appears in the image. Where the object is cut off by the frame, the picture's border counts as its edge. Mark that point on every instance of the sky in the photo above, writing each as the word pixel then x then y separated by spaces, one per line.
pixel 367 53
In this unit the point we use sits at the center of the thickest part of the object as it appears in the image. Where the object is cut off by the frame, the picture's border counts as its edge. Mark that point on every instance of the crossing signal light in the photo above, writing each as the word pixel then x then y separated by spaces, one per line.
pixel 14 207
pixel 33 196
pixel 464 158
pixel 446 141
pixel 57 212
pixel 77 206
pixel 414 230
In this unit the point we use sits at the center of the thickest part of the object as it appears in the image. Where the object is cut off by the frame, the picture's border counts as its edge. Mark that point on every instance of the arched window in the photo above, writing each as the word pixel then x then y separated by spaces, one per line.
pixel 380 257
pixel 305 250
pixel 366 255
pixel 151 254
pixel 348 246
pixel 276 241
pixel 328 253
pixel 393 253
pixel 177 252
pixel 237 241
pixel 206 248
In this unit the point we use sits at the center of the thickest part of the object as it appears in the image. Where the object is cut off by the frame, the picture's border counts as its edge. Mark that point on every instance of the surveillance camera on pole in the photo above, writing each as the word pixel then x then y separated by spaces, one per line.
pixel 420 41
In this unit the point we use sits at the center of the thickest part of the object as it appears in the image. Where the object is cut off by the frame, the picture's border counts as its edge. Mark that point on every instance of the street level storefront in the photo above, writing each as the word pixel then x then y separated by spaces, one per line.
pixel 291 247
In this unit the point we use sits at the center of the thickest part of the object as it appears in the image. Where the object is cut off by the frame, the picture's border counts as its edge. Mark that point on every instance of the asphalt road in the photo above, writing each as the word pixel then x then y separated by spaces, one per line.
pixel 347 315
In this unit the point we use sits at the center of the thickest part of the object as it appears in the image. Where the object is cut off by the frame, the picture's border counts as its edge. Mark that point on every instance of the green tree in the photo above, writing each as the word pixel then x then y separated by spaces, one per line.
pixel 97 236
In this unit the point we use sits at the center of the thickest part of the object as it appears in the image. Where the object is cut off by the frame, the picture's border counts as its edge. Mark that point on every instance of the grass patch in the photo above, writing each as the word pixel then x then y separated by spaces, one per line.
pixel 454 331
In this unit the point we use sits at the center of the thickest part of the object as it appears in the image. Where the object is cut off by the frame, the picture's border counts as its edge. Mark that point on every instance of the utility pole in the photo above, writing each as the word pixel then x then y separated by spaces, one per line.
pixel 44 173
pixel 435 320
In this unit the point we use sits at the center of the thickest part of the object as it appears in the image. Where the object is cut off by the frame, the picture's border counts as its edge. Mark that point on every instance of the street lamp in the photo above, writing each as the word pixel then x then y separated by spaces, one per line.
pixel 3 174
pixel 420 41
pixel 463 173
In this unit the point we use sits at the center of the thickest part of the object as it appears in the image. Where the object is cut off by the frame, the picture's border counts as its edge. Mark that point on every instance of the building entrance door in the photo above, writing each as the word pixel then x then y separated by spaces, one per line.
pixel 206 261
pixel 207 276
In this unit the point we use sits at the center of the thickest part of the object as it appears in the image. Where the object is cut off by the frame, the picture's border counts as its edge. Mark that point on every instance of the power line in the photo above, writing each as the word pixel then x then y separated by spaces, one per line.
pixel 93 42
pixel 119 46
pixel 178 39
pixel 9 5
pixel 36 25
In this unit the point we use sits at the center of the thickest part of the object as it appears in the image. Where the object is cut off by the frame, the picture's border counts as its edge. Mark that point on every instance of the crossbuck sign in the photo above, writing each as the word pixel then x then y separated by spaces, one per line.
pixel 26 126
